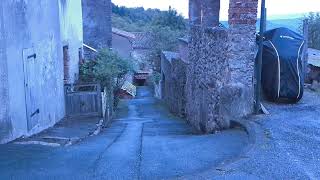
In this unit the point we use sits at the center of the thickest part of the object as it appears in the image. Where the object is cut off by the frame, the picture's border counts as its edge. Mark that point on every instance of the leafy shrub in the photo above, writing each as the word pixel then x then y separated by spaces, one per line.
pixel 156 77
pixel 109 69
pixel 170 19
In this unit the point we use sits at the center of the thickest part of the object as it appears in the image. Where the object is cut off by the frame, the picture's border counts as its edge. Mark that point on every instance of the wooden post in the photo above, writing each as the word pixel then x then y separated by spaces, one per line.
pixel 305 56
pixel 99 100
pixel 258 70
pixel 265 19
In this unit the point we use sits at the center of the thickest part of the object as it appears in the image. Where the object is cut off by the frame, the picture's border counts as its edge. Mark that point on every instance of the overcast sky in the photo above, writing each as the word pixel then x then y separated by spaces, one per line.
pixel 275 7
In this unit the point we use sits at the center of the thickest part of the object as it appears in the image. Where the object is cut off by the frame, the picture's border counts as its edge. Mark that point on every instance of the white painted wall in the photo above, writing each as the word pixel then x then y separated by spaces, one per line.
pixel 72 32
pixel 36 25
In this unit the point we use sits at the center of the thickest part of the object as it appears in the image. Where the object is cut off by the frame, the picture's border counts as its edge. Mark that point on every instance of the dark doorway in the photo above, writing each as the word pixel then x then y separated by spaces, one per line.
pixel 66 64
pixel 140 79
pixel 139 82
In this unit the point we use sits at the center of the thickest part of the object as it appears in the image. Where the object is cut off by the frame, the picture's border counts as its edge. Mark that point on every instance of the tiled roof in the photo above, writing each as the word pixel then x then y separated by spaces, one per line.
pixel 122 33
pixel 142 40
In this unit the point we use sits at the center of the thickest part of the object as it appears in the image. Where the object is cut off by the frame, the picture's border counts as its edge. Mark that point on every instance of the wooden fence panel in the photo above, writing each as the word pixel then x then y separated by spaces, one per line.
pixel 83 100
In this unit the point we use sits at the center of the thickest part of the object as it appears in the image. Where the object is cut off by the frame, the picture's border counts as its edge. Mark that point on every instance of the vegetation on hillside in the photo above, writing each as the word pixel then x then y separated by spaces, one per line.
pixel 164 27
pixel 314 30
pixel 140 19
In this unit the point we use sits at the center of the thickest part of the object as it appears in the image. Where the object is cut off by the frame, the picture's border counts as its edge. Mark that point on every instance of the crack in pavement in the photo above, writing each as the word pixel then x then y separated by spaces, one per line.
pixel 140 152
pixel 96 162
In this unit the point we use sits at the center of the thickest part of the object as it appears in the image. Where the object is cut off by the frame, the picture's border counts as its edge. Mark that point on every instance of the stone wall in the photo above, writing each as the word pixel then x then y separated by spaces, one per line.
pixel 221 70
pixel 207 73
pixel 241 57
pixel 97 24
pixel 173 72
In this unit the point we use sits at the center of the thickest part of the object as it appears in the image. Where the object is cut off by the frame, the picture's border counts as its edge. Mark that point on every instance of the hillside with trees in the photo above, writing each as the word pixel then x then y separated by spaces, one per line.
pixel 140 19
pixel 164 27
pixel 314 30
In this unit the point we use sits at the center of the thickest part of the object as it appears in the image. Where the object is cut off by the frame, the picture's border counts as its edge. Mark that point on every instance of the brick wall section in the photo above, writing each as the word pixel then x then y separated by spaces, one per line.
pixel 243 12
pixel 241 55
pixel 97 30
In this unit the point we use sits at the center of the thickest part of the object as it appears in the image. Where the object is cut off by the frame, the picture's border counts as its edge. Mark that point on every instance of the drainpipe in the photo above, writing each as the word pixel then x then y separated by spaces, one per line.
pixel 258 106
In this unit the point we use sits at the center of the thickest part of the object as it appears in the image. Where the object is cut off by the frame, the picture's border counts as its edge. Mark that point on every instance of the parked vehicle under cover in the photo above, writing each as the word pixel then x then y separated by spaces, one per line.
pixel 282 72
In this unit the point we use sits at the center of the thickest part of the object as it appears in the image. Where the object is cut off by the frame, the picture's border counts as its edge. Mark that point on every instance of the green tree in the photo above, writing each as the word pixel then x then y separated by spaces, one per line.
pixel 105 68
pixel 314 30
pixel 109 69
pixel 171 19
pixel 163 38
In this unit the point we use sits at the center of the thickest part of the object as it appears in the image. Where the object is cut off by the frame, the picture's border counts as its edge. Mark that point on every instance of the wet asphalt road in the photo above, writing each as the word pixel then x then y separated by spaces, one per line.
pixel 144 142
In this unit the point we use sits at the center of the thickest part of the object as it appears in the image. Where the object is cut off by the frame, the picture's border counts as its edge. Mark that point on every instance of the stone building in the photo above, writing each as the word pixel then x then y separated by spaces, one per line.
pixel 220 64
pixel 141 49
pixel 122 42
pixel 40 47
pixel 97 29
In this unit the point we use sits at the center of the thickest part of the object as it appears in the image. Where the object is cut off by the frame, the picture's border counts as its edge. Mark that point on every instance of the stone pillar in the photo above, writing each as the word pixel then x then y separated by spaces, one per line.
pixel 194 12
pixel 241 57
pixel 211 13
pixel 97 29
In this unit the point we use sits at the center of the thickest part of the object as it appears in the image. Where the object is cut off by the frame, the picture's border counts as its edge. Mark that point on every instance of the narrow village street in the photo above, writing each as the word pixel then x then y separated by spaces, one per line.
pixel 144 142
pixel 179 89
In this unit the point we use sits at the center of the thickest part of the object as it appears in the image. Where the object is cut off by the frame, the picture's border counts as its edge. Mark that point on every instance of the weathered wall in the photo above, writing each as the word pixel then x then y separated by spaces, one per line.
pixel 220 75
pixel 5 123
pixel 72 34
pixel 241 57
pixel 122 46
pixel 207 73
pixel 97 24
pixel 173 70
pixel 34 28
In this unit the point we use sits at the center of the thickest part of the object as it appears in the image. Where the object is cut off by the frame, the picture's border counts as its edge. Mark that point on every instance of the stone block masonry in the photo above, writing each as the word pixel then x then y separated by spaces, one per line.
pixel 219 85
pixel 243 12
pixel 207 73
pixel 173 72
pixel 241 56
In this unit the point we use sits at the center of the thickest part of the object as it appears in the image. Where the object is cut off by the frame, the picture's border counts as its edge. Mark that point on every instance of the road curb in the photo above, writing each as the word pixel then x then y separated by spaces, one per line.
pixel 255 134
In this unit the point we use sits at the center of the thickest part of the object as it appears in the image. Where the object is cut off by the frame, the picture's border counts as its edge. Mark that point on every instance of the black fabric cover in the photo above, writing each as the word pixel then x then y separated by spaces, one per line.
pixel 282 50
